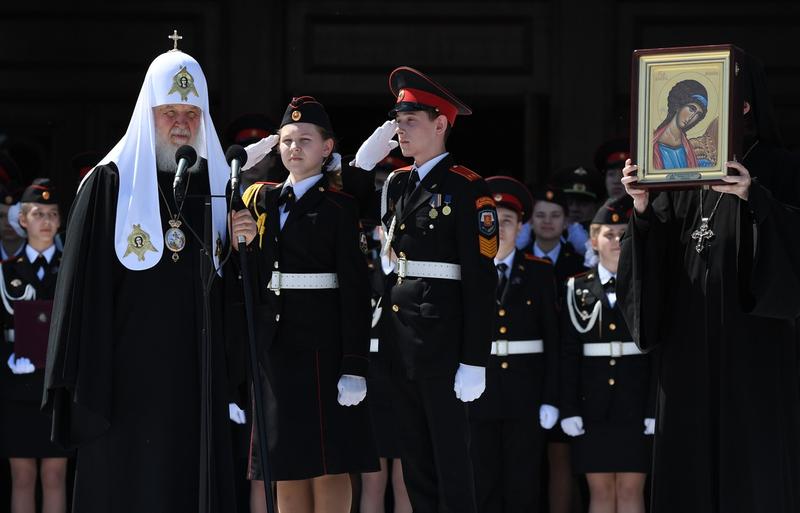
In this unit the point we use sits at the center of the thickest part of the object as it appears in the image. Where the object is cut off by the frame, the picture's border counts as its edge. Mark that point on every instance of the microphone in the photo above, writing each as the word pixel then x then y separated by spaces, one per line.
pixel 185 157
pixel 236 157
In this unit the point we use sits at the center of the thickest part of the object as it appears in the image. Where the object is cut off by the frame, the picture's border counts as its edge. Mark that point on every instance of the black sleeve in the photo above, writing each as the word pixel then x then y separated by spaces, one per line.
pixel 78 380
pixel 354 294
pixel 570 368
pixel 769 255
pixel 642 282
pixel 477 248
pixel 548 320
pixel 361 185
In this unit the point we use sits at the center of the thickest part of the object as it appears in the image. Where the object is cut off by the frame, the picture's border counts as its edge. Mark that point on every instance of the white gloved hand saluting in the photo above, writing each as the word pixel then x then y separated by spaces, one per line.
pixel 20 365
pixel 548 416
pixel 470 382
pixel 573 426
pixel 377 146
pixel 335 163
pixel 258 150
pixel 352 389
pixel 236 414
pixel 649 427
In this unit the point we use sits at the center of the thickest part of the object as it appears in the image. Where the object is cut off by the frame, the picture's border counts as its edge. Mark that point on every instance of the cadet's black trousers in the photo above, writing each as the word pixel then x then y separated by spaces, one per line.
pixel 434 445
pixel 507 456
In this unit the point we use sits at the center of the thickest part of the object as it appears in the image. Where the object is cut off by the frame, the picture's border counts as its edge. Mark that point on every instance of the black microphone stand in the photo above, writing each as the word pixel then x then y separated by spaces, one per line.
pixel 259 414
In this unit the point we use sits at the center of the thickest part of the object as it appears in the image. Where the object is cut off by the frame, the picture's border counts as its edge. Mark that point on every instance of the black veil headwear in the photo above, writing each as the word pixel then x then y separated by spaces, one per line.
pixel 757 95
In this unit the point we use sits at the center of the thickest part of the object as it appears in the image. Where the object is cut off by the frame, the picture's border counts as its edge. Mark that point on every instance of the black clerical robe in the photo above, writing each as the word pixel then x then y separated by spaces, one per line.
pixel 728 429
pixel 123 375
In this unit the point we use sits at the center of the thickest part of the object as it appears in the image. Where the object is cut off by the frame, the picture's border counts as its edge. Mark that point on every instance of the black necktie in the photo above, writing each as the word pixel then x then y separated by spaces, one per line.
pixel 610 287
pixel 413 181
pixel 287 198
pixel 502 279
pixel 40 264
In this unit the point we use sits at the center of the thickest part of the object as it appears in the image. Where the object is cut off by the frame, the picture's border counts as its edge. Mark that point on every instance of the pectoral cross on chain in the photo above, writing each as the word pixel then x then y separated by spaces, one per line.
pixel 175 38
pixel 702 235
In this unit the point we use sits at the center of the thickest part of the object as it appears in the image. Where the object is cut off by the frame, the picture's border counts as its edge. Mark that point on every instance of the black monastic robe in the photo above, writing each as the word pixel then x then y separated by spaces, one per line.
pixel 124 364
pixel 728 429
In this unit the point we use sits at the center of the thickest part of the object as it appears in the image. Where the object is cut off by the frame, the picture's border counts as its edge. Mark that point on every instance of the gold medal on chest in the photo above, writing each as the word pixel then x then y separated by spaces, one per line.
pixel 174 238
pixel 433 214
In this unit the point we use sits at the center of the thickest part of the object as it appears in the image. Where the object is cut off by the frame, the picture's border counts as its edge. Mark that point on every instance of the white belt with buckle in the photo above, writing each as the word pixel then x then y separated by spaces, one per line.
pixel 507 347
pixel 9 335
pixel 300 281
pixel 424 269
pixel 373 345
pixel 612 349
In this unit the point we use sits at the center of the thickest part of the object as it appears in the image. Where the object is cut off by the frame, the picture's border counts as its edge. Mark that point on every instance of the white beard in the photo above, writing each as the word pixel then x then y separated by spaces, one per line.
pixel 165 155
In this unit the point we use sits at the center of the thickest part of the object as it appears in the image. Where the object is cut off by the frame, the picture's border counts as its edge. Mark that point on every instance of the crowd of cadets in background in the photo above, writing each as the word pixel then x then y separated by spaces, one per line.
pixel 517 462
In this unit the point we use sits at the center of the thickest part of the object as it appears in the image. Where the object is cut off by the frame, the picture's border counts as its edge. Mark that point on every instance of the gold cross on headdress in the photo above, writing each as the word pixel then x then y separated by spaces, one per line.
pixel 175 38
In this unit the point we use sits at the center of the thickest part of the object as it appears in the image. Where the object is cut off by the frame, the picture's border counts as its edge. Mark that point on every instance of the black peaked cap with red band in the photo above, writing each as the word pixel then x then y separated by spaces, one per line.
pixel 416 91
pixel 83 162
pixel 614 211
pixel 306 109
pixel 249 129
pixel 510 193
pixel 612 154
pixel 40 191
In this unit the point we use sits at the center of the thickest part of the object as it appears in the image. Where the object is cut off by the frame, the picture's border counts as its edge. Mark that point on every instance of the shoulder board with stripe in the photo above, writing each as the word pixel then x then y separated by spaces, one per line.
pixel 339 192
pixel 586 274
pixel 465 172
pixel 534 258
pixel 404 169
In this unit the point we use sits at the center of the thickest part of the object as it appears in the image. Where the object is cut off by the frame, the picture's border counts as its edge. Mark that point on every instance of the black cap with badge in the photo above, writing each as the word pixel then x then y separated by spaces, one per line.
pixel 40 191
pixel 306 109
pixel 614 211
pixel 551 194
pixel 580 181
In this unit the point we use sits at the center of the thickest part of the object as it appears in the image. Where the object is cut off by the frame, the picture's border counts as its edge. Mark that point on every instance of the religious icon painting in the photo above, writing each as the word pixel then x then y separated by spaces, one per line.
pixel 686 114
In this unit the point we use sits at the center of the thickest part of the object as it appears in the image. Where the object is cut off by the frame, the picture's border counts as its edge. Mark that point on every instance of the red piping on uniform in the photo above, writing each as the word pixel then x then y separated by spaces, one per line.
pixel 250 451
pixel 321 422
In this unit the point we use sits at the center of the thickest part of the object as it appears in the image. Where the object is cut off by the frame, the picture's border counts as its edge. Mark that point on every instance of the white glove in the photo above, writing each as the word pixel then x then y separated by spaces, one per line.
pixel 335 163
pixel 548 416
pixel 377 146
pixel 470 382
pixel 20 365
pixel 649 426
pixel 573 426
pixel 352 389
pixel 236 414
pixel 258 150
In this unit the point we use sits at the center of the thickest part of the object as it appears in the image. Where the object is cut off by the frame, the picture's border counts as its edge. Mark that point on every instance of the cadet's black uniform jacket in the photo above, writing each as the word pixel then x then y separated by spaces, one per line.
pixel 516 385
pixel 18 273
pixel 569 263
pixel 320 236
pixel 600 388
pixel 435 324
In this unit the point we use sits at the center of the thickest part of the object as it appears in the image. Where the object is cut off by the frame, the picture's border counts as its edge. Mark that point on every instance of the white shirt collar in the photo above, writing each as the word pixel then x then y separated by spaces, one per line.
pixel 604 274
pixel 552 254
pixel 509 261
pixel 303 185
pixel 47 253
pixel 425 168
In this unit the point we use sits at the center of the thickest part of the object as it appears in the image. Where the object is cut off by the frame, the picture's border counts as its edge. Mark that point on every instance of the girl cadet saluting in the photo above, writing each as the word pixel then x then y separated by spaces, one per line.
pixel 608 385
pixel 312 293
pixel 28 283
